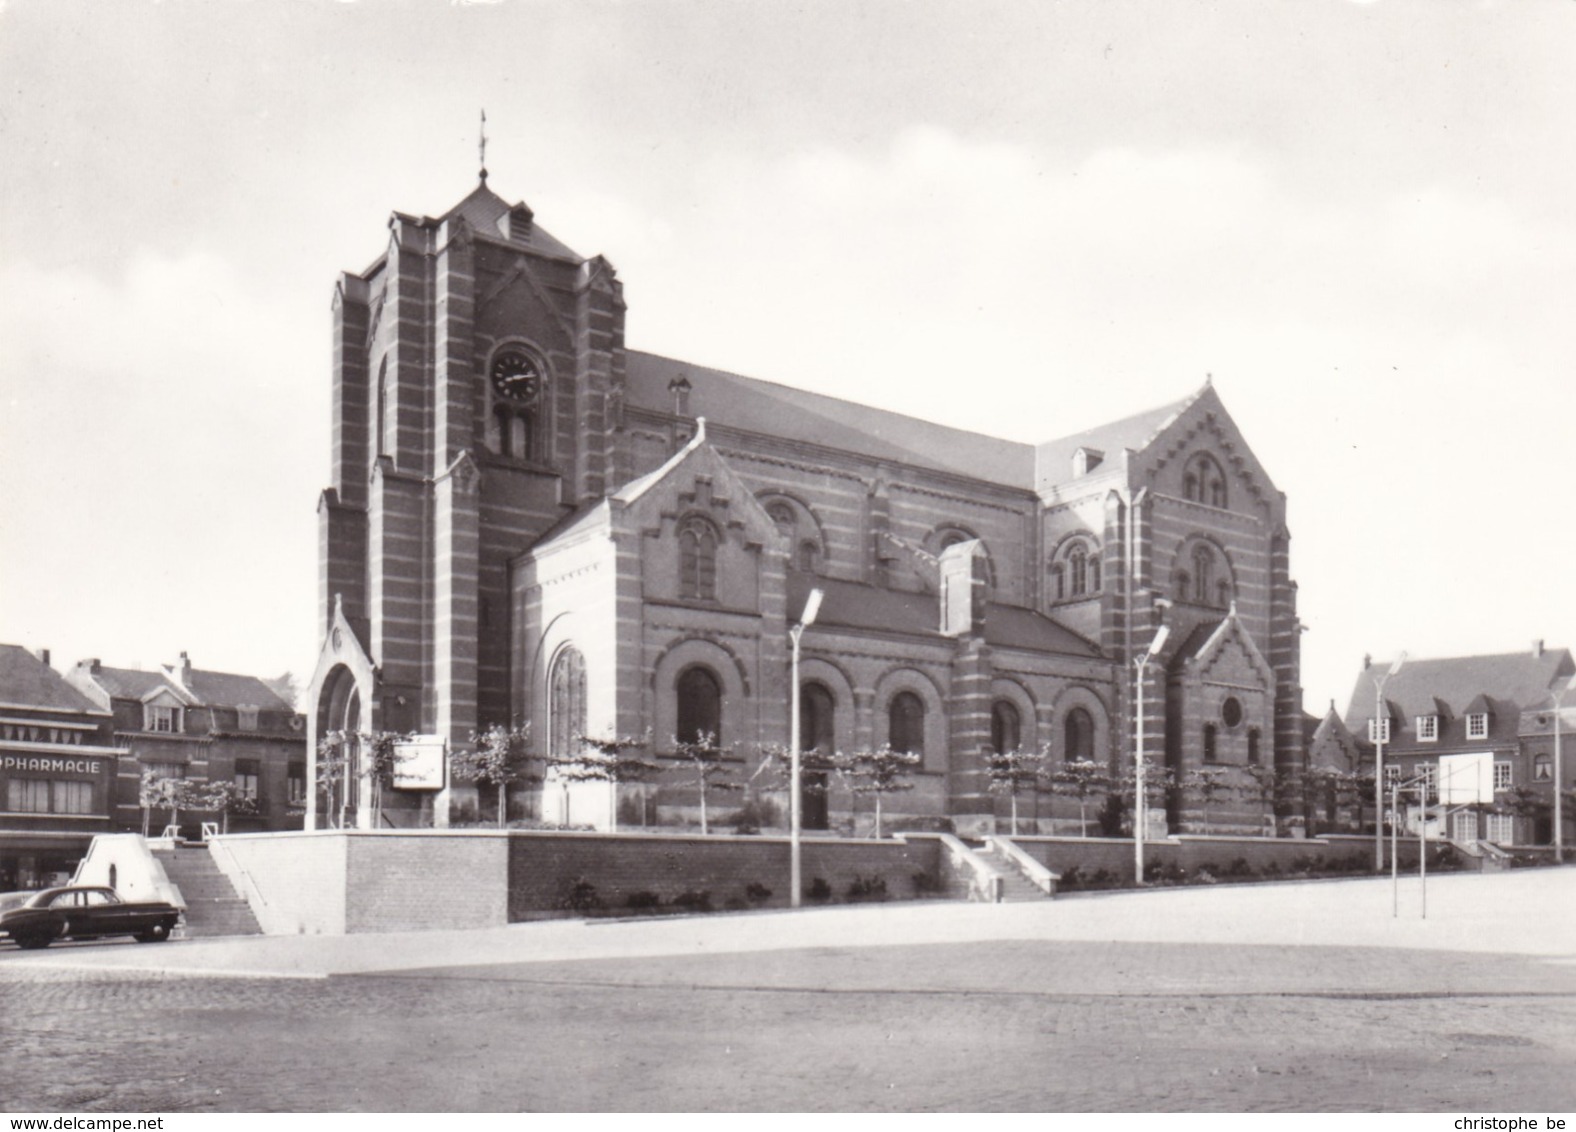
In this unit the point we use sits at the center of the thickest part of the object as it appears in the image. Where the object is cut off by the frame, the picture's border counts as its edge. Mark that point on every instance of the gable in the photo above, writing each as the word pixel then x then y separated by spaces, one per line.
pixel 1202 436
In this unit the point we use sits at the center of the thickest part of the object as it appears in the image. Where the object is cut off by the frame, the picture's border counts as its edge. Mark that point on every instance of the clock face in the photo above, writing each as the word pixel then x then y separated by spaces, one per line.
pixel 515 376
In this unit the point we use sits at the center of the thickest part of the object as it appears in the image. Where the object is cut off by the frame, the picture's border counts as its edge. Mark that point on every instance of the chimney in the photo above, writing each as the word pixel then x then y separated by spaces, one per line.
pixel 1537 647
pixel 680 388
pixel 186 671
pixel 42 654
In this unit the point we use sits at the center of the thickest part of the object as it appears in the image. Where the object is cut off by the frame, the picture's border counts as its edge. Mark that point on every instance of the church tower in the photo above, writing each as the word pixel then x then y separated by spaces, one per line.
pixel 477 378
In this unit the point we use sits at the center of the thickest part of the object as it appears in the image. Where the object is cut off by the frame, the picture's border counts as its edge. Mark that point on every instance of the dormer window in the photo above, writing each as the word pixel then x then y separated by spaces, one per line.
pixel 246 718
pixel 161 718
pixel 1428 729
pixel 1477 725
pixel 1379 730
pixel 1086 460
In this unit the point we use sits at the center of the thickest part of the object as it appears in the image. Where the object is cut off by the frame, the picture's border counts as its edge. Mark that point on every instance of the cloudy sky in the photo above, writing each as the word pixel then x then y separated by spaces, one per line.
pixel 1024 218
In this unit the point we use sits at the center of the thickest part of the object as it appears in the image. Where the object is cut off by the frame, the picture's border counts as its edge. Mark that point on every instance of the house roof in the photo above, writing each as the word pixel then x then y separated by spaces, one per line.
pixel 28 682
pixel 750 404
pixel 1452 685
pixel 1054 458
pixel 211 689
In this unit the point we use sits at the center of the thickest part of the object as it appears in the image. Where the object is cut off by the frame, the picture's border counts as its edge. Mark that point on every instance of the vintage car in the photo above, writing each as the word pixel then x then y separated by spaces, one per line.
pixel 37 919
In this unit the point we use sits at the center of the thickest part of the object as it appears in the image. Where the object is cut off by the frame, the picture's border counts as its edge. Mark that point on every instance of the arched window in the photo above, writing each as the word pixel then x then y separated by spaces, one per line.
pixel 1184 586
pixel 1542 769
pixel 1203 481
pixel 1094 573
pixel 699 706
pixel 809 557
pixel 1203 574
pixel 1078 736
pixel 1078 568
pixel 566 702
pixel 782 514
pixel 1058 582
pixel 1006 727
pixel 698 560
pixel 1253 746
pixel 1209 742
pixel 380 423
pixel 906 723
pixel 815 718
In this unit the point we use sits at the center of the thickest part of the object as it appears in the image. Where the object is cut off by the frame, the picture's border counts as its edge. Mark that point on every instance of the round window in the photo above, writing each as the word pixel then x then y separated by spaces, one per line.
pixel 1231 711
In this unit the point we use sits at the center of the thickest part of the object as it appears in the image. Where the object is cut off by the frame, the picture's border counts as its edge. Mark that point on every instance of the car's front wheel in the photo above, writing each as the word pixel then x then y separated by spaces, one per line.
pixel 158 933
pixel 32 942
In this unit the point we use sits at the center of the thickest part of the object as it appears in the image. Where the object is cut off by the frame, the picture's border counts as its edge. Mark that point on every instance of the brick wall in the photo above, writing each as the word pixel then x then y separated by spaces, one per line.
pixel 545 867
pixel 430 879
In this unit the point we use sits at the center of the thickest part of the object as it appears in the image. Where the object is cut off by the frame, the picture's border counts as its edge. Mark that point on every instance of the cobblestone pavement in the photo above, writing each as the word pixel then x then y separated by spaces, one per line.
pixel 1001 1026
pixel 1214 1001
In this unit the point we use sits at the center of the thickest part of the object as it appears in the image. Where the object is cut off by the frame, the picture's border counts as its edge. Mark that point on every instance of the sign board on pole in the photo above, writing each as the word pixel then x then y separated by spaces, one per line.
pixel 1466 780
pixel 419 763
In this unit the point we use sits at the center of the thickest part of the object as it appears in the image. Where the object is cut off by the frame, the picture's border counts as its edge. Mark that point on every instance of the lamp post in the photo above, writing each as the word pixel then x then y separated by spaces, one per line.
pixel 1559 775
pixel 1140 801
pixel 1381 726
pixel 812 606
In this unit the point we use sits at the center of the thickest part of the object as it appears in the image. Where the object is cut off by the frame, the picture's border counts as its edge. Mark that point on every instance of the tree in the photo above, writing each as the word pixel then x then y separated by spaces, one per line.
pixel 499 757
pixel 379 759
pixel 333 775
pixel 880 772
pixel 159 791
pixel 1264 785
pixel 1207 783
pixel 1158 781
pixel 226 798
pixel 1083 781
pixel 705 758
pixel 1012 773
pixel 610 759
pixel 1525 802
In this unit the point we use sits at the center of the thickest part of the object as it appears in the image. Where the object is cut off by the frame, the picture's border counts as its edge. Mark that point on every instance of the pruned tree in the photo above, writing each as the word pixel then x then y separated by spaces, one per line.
pixel 610 759
pixel 880 772
pixel 1263 786
pixel 166 792
pixel 706 762
pixel 379 759
pixel 1208 783
pixel 1158 783
pixel 499 757
pixel 227 798
pixel 1013 773
pixel 333 775
pixel 1083 781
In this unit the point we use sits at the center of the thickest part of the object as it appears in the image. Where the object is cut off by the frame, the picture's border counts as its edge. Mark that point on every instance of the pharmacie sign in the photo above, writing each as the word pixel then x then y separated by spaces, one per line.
pixel 47 764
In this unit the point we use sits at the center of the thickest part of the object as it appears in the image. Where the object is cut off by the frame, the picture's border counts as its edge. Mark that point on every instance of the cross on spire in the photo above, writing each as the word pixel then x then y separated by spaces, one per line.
pixel 481 146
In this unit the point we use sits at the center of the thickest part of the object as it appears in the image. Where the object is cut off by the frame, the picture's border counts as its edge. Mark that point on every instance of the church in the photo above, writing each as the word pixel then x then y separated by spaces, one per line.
pixel 530 523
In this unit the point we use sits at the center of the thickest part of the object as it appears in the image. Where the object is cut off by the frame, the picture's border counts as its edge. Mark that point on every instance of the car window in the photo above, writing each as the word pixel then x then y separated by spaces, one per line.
pixel 97 896
pixel 66 900
pixel 14 899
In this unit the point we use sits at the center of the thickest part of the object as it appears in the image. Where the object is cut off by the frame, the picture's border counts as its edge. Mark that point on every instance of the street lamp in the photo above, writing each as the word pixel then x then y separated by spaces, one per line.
pixel 1559 774
pixel 1140 802
pixel 812 606
pixel 1381 726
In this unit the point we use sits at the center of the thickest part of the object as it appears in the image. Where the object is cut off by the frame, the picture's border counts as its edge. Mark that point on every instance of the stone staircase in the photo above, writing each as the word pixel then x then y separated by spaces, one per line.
pixel 1015 887
pixel 213 906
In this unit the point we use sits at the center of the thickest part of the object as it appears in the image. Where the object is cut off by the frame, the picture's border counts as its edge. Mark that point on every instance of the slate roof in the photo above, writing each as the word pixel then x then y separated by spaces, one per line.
pixel 753 405
pixel 211 689
pixel 1054 458
pixel 484 209
pixel 1512 681
pixel 27 681
pixel 854 605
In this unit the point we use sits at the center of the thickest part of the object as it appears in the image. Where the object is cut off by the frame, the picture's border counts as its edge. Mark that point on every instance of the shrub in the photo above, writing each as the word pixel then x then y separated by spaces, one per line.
pixel 1103 878
pixel 1158 872
pixel 926 883
pixel 755 815
pixel 693 901
pixel 1271 869
pixel 757 893
pixel 581 896
pixel 735 904
pixel 818 890
pixel 642 900
pixel 1071 878
pixel 1239 867
pixel 1303 863
pixel 867 890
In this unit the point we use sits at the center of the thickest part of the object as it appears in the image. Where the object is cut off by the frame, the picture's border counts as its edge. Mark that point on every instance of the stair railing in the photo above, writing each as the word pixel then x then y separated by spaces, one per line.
pixel 254 895
pixel 1037 874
